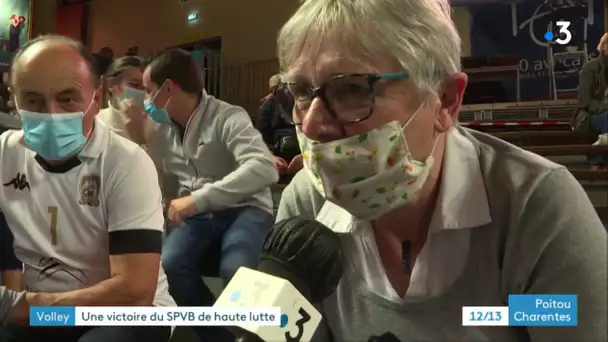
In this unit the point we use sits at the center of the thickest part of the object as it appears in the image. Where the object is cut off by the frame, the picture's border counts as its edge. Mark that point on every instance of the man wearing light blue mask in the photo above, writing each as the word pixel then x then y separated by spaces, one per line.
pixel 224 170
pixel 82 203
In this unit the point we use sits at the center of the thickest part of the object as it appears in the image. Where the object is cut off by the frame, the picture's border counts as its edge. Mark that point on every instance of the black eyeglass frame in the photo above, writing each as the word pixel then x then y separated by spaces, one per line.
pixel 321 92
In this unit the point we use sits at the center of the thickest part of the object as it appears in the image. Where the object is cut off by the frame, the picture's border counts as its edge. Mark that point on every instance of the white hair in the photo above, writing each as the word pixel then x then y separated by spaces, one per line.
pixel 419 35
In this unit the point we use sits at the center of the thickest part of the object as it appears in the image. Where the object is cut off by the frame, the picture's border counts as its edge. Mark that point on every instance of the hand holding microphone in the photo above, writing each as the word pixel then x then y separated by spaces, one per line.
pixel 300 265
pixel 306 253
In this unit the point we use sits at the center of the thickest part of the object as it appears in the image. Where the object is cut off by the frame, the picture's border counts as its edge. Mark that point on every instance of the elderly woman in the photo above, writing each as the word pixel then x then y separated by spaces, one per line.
pixel 433 216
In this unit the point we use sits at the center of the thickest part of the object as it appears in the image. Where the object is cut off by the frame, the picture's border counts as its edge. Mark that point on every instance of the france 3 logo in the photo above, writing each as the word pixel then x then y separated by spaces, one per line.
pixel 563 36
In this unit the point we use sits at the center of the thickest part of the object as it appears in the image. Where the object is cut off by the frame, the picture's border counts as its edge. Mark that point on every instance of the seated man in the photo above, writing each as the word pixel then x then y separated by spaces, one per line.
pixel 10 267
pixel 224 171
pixel 10 301
pixel 593 98
pixel 83 203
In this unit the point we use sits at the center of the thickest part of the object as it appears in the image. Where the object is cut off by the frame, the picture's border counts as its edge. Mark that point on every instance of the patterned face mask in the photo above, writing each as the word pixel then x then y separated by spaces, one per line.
pixel 368 174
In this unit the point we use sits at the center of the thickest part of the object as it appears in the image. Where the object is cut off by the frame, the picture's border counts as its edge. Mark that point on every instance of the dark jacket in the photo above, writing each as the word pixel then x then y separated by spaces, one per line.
pixel 593 84
pixel 278 133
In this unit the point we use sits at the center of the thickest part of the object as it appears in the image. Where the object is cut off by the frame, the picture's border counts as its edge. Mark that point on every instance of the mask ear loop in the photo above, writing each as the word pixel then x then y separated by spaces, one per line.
pixel 430 157
pixel 90 104
pixel 436 138
pixel 408 152
pixel 16 111
pixel 16 105
pixel 167 104
pixel 158 91
pixel 85 113
pixel 428 160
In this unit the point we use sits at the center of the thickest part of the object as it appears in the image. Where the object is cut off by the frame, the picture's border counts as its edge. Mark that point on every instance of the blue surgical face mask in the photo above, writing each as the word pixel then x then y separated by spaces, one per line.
pixel 134 94
pixel 54 136
pixel 159 115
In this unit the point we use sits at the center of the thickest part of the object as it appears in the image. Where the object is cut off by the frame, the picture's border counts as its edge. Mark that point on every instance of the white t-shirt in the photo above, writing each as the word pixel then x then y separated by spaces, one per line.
pixel 66 220
pixel 115 119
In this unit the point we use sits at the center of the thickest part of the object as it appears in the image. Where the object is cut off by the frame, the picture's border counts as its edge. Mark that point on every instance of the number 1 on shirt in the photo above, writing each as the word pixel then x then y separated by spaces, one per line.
pixel 53 212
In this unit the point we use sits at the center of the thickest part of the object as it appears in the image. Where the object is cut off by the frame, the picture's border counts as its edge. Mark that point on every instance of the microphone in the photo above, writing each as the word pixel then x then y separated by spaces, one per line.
pixel 300 265
pixel 386 337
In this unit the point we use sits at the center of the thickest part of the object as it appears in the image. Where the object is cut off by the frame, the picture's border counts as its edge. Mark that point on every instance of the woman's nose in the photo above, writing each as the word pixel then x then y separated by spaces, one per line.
pixel 318 124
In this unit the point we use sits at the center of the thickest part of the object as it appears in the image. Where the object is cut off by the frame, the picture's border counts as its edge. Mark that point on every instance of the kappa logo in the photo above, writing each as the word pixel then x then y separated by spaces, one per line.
pixel 19 182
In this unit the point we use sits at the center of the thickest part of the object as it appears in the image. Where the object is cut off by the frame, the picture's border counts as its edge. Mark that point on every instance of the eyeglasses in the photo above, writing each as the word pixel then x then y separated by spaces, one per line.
pixel 348 98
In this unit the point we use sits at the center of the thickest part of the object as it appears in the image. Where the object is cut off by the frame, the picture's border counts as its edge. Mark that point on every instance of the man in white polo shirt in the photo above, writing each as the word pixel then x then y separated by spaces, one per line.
pixel 83 204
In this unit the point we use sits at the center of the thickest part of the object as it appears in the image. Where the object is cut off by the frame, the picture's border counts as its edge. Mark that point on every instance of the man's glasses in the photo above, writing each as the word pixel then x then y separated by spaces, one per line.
pixel 348 98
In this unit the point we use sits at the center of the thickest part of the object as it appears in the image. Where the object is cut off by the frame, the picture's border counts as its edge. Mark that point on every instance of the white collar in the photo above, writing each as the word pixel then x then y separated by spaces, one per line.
pixel 116 112
pixel 462 201
pixel 96 142
pixel 114 117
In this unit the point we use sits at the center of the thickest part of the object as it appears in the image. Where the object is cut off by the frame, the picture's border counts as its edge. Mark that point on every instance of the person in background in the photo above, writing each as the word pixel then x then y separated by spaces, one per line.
pixel 8 119
pixel 11 304
pixel 103 59
pixel 82 203
pixel 11 268
pixel 224 171
pixel 278 131
pixel 5 95
pixel 432 216
pixel 132 51
pixel 124 114
pixel 107 53
pixel 593 99
pixel 16 26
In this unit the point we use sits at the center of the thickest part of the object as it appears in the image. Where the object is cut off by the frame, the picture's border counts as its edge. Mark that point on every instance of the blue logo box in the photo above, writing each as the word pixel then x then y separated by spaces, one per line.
pixel 540 310
pixel 52 316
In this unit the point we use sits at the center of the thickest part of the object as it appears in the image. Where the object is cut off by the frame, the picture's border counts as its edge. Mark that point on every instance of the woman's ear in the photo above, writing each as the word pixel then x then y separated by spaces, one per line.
pixel 451 101
pixel 444 121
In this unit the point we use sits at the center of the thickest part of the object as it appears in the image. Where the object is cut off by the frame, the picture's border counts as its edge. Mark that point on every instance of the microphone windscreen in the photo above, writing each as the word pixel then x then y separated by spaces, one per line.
pixel 243 335
pixel 386 337
pixel 306 253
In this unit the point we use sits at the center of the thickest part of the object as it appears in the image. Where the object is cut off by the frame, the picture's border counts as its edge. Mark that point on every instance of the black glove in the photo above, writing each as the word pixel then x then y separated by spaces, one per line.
pixel 305 252
pixel 386 337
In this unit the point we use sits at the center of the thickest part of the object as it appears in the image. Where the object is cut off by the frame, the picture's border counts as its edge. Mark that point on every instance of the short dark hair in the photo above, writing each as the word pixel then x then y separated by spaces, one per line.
pixel 83 51
pixel 178 66
pixel 107 52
